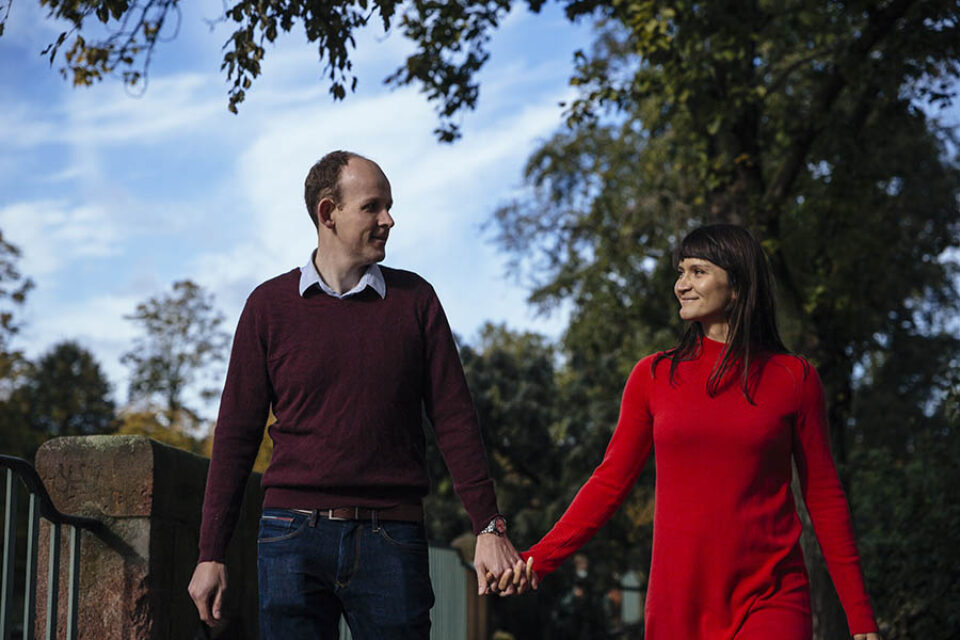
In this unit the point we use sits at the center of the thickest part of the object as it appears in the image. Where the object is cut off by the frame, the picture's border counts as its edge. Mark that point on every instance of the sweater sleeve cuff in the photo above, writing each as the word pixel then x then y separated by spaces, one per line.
pixel 211 554
pixel 480 501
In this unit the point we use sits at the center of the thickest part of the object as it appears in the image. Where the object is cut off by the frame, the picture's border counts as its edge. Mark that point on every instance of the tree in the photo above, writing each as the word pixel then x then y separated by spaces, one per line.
pixel 511 379
pixel 13 292
pixel 16 438
pixel 152 421
pixel 67 394
pixel 903 466
pixel 907 504
pixel 450 37
pixel 814 124
pixel 532 411
pixel 182 339
pixel 64 393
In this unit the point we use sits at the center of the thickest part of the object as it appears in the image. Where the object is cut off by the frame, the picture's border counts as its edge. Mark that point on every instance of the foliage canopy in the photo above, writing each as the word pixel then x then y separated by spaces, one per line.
pixel 63 393
pixel 182 337
pixel 816 125
pixel 119 37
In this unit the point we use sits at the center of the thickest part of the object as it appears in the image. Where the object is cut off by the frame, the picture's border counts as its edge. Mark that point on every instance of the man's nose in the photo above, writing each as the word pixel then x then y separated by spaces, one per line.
pixel 386 220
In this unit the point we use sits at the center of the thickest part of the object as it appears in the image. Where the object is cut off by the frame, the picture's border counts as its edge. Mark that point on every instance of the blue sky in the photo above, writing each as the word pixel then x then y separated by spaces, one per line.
pixel 112 197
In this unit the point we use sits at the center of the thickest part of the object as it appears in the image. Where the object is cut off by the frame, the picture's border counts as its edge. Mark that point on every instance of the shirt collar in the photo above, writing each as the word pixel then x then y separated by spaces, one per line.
pixel 372 277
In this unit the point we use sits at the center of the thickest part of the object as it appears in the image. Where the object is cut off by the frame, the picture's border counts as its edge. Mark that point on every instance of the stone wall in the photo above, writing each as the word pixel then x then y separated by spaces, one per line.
pixel 133 577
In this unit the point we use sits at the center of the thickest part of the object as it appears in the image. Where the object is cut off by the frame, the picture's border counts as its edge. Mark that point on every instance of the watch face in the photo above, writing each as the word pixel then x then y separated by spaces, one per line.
pixel 500 524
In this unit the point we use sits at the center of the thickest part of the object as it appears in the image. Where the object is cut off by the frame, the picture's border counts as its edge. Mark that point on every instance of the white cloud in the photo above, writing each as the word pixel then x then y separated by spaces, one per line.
pixel 170 186
pixel 76 171
pixel 51 234
pixel 97 323
pixel 28 26
pixel 442 192
pixel 233 273
pixel 174 105
pixel 20 126
pixel 438 188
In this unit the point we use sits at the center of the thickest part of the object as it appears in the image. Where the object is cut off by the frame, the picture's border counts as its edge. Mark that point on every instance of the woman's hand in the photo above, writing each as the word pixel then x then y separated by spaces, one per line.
pixel 521 577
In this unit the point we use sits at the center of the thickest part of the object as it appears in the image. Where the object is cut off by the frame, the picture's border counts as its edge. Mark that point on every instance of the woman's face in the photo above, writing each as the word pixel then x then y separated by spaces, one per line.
pixel 704 292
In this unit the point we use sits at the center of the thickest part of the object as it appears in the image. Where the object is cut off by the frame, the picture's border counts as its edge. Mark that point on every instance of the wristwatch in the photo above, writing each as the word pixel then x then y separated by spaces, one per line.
pixel 497 526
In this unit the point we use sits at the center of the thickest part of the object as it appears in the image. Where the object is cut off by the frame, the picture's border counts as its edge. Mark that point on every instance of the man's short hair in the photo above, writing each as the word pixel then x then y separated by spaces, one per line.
pixel 323 180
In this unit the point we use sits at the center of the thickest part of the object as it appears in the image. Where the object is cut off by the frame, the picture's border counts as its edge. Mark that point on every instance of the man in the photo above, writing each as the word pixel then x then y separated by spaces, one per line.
pixel 348 355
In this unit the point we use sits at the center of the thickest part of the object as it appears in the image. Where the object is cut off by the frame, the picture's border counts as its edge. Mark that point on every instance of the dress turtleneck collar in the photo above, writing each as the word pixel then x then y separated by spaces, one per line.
pixel 711 350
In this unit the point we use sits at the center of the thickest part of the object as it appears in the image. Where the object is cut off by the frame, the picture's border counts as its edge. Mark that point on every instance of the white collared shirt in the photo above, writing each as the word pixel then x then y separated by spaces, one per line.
pixel 372 278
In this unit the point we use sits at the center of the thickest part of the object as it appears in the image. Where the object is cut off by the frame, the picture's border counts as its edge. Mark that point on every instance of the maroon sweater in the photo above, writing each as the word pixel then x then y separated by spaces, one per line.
pixel 348 380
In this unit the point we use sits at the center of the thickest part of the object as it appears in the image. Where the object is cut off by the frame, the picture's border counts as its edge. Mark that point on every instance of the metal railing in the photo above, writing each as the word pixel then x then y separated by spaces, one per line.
pixel 40 506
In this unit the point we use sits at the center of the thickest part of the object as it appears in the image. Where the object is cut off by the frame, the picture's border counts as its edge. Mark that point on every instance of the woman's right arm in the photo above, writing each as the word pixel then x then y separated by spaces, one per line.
pixel 610 483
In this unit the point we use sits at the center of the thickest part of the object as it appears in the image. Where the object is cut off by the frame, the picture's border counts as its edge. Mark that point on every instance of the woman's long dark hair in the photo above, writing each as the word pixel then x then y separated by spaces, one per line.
pixel 751 314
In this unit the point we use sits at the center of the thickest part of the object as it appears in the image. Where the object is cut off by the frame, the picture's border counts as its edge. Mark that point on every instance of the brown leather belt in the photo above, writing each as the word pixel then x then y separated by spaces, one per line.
pixel 401 512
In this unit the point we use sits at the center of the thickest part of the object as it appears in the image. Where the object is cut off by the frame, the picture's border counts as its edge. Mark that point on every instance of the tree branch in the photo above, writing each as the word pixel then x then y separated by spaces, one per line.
pixel 879 26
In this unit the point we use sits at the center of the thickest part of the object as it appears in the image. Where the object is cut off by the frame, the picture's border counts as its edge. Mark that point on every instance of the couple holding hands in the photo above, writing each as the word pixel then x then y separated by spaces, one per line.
pixel 349 355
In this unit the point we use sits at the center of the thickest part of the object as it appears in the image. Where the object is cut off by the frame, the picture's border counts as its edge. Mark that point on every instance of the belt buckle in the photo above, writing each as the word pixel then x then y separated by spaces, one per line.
pixel 330 516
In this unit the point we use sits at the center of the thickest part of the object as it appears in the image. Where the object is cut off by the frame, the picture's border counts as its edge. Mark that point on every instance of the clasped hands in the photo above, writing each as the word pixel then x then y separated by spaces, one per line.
pixel 500 569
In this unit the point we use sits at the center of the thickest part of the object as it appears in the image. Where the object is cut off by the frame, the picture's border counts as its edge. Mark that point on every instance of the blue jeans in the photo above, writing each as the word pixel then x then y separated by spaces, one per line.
pixel 374 573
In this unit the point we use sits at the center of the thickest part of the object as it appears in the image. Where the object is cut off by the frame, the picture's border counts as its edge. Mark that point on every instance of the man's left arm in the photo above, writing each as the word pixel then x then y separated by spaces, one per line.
pixel 450 409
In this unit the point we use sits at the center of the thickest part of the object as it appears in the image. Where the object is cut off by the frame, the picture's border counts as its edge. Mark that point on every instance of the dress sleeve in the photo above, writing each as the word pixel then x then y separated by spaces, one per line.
pixel 827 504
pixel 610 482
pixel 244 406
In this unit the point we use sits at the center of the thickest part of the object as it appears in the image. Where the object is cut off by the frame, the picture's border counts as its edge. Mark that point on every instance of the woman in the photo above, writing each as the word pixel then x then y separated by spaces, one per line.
pixel 728 408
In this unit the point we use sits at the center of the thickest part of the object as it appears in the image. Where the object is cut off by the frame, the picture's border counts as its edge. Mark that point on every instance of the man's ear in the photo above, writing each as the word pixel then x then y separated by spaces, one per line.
pixel 325 210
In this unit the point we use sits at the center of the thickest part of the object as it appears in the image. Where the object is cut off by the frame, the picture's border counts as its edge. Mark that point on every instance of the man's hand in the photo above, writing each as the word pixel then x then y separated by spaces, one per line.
pixel 207 586
pixel 866 636
pixel 499 567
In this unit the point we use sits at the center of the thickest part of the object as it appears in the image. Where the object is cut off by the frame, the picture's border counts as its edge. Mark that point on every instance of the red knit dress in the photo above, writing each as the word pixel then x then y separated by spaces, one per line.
pixel 726 559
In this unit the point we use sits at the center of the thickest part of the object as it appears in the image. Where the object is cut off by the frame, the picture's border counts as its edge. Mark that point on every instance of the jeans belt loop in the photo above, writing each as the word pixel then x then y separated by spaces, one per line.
pixel 376 523
pixel 314 514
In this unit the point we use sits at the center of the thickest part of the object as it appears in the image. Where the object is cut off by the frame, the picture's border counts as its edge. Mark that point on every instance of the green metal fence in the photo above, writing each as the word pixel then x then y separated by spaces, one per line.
pixel 20 474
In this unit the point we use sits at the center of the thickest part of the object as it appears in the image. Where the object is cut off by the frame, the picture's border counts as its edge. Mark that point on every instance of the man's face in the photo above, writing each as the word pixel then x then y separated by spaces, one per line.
pixel 362 220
